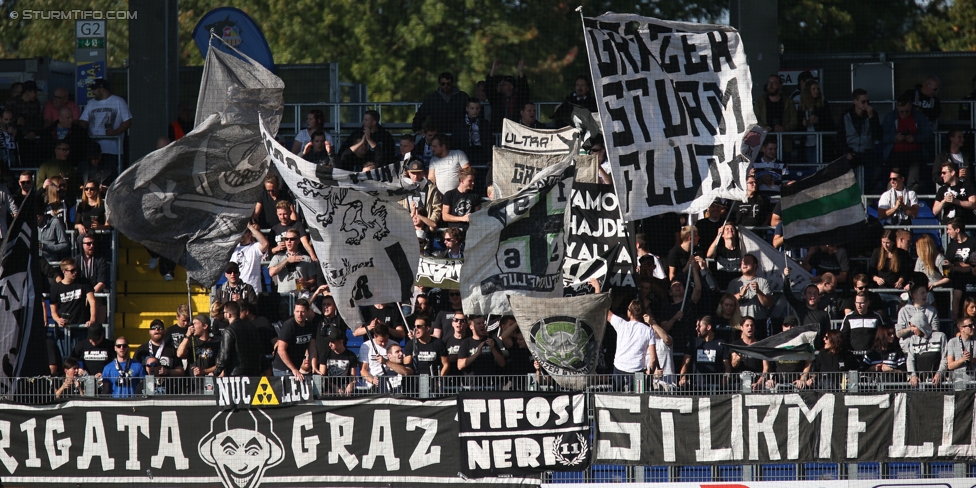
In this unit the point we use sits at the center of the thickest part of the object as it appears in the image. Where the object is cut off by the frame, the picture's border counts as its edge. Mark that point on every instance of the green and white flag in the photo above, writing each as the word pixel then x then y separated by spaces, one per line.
pixel 563 334
pixel 795 344
pixel 824 208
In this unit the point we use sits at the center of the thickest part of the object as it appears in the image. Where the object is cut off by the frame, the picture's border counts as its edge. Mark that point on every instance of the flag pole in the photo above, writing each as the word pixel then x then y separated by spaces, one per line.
pixel 189 305
pixel 691 257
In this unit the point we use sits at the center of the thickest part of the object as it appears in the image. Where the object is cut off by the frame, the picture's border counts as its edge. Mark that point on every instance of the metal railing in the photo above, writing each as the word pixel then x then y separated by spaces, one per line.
pixel 42 389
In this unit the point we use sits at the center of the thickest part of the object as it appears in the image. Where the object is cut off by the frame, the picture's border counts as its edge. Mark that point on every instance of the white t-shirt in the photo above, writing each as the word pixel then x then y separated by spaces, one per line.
pixel 665 357
pixel 887 201
pixel 99 114
pixel 633 338
pixel 249 259
pixel 367 354
pixel 446 169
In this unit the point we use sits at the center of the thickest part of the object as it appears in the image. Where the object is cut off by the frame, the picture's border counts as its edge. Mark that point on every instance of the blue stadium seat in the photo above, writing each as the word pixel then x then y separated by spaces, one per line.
pixel 778 472
pixel 568 477
pixel 942 469
pixel 820 471
pixel 732 472
pixel 608 473
pixel 354 343
pixel 694 474
pixel 868 471
pixel 656 474
pixel 905 470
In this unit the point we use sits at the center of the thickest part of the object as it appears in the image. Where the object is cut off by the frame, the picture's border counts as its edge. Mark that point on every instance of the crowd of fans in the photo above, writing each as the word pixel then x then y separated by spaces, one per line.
pixel 878 305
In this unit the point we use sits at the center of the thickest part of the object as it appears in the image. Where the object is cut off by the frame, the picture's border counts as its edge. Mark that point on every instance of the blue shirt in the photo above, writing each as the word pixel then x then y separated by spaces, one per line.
pixel 125 378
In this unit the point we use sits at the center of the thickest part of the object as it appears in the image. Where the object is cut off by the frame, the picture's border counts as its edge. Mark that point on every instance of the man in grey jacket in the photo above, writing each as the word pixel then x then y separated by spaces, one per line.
pixel 925 351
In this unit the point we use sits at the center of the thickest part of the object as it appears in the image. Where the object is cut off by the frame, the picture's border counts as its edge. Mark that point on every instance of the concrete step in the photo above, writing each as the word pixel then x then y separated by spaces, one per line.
pixel 160 304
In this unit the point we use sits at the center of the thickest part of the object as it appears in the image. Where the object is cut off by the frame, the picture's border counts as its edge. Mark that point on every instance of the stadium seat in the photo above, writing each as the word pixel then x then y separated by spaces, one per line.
pixel 820 471
pixel 905 470
pixel 608 473
pixel 694 474
pixel 778 472
pixel 731 472
pixel 867 471
pixel 942 469
pixel 656 474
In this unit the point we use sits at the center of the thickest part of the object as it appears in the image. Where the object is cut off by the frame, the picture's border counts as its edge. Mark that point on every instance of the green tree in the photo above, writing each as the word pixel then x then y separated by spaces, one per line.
pixel 20 38
pixel 947 26
pixel 820 26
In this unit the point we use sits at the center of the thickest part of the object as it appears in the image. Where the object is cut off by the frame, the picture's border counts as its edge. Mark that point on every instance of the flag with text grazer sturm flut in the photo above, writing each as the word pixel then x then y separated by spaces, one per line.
pixel 795 344
pixel 516 245
pixel 675 103
pixel 22 334
pixel 564 334
pixel 823 208
pixel 364 238
pixel 195 196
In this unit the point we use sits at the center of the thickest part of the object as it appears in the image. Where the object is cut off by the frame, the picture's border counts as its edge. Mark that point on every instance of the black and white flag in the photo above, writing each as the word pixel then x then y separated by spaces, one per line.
pixel 505 434
pixel 22 335
pixel 595 229
pixel 365 240
pixel 443 273
pixel 516 245
pixel 675 100
pixel 564 334
pixel 520 138
pixel 772 262
pixel 196 195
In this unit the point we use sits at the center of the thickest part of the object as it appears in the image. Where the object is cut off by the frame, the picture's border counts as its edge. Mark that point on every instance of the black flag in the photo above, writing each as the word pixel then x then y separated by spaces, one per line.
pixel 22 346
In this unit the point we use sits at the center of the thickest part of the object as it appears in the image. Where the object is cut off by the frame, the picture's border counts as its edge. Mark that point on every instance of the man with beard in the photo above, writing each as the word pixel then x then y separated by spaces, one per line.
pixel 427 354
pixel 774 111
pixel 199 347
pixel 706 356
pixel 159 348
pixel 295 338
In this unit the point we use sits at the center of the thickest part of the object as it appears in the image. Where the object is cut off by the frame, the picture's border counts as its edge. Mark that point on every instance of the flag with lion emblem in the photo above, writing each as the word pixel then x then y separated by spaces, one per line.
pixel 563 334
pixel 365 240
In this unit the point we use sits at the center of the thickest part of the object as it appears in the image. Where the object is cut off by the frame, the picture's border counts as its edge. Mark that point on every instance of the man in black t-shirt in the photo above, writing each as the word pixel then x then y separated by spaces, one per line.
pixel 266 333
pixel 742 363
pixel 480 354
pixel 961 257
pixel 336 362
pixel 388 314
pixel 427 354
pixel 199 347
pixel 295 338
pixel 458 204
pixel 442 325
pixel 755 210
pixel 72 300
pixel 705 355
pixel 95 352
pixel 954 198
pixel 328 324
pixel 455 339
pixel 157 347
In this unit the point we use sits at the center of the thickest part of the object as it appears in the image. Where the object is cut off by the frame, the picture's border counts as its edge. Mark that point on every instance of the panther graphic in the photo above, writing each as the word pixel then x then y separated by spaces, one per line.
pixel 353 219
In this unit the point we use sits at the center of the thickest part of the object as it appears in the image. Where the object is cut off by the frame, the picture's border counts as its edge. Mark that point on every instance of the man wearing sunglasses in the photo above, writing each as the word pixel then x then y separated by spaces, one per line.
pixel 73 299
pixel 235 289
pixel 291 267
pixel 444 107
pixel 875 303
pixel 162 351
pixel 123 376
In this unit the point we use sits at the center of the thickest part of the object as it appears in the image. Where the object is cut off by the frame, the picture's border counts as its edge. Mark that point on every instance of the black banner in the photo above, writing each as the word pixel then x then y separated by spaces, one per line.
pixel 792 427
pixel 520 433
pixel 371 441
pixel 261 391
pixel 595 227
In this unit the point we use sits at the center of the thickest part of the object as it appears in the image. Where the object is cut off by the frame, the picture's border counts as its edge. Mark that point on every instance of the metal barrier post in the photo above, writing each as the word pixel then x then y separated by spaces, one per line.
pixel 90 385
pixel 747 474
pixel 208 385
pixel 424 386
pixel 745 378
pixel 150 384
pixel 530 383
pixel 318 385
pixel 853 379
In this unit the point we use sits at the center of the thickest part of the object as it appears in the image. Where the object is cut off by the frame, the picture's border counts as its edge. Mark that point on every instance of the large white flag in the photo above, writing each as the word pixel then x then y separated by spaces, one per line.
pixel 365 240
pixel 516 245
pixel 675 100
pixel 771 262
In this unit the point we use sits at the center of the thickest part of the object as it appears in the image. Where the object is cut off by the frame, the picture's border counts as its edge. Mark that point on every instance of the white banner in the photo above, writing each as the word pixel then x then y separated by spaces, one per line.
pixel 516 245
pixel 675 100
pixel 520 138
pixel 364 239
pixel 771 262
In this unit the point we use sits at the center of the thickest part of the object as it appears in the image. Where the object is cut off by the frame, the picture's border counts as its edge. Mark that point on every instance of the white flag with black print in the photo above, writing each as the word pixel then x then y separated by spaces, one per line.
pixel 675 102
pixel 516 245
pixel 365 240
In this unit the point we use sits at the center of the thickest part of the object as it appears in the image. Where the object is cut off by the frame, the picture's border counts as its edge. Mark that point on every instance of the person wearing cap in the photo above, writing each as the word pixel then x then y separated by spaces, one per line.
pixel 106 116
pixel 199 348
pixel 424 203
pixel 506 94
pixel 336 362
pixel 164 352
pixel 925 351
pixel 234 288
pixel 94 353
pixel 444 106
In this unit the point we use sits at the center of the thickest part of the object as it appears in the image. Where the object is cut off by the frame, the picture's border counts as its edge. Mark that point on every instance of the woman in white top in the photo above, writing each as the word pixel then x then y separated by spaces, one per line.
pixel 315 120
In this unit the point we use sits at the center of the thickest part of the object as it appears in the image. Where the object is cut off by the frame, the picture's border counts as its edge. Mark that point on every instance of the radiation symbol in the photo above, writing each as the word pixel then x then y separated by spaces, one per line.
pixel 264 395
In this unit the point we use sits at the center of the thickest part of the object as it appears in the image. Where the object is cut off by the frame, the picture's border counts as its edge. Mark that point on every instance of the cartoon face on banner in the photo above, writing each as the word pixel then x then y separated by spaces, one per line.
pixel 564 345
pixel 532 241
pixel 241 446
